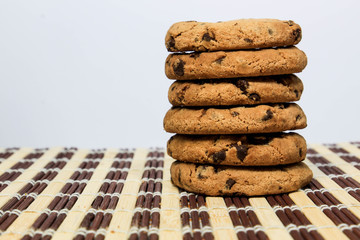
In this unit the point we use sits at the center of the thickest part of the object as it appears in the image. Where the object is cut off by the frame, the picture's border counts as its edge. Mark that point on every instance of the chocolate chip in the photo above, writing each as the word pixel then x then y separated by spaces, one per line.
pixel 282 80
pixel 269 115
pixel 197 166
pixel 242 84
pixel 241 152
pixel 255 97
pixel 270 31
pixel 290 22
pixel 207 37
pixel 220 59
pixel 195 55
pixel 181 95
pixel 283 105
pixel 258 140
pixel 203 112
pixel 202 168
pixel 179 68
pixel 167 62
pixel 218 169
pixel 229 183
pixel 300 152
pixel 234 114
pixel 201 176
pixel 171 43
pixel 248 40
pixel 296 93
pixel 179 176
pixel 298 117
pixel 297 33
pixel 219 156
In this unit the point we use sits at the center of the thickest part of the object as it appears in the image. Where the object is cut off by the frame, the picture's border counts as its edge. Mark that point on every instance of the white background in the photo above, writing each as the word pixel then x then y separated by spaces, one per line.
pixel 91 73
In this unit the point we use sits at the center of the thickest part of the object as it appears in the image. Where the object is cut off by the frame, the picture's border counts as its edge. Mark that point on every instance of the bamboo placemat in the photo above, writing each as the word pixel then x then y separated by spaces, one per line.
pixel 69 193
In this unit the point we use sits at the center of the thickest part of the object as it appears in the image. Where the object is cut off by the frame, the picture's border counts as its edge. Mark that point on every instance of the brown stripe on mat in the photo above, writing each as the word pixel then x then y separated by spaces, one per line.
pixel 7 153
pixel 244 219
pixel 195 219
pixel 334 209
pixel 146 219
pixel 293 219
pixel 345 155
pixel 98 218
pixel 336 174
pixel 57 210
pixel 13 208
pixel 17 169
pixel 357 144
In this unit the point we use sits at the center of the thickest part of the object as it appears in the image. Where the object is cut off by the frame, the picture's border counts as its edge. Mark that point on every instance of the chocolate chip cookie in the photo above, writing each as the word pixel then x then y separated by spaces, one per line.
pixel 250 181
pixel 240 91
pixel 238 150
pixel 233 64
pixel 235 120
pixel 231 35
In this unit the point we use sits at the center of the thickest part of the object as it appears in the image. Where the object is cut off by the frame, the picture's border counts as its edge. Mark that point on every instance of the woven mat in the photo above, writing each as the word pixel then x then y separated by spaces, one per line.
pixel 66 193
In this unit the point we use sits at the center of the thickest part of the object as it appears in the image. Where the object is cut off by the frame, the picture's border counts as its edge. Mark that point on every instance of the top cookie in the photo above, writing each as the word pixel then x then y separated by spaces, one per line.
pixel 231 35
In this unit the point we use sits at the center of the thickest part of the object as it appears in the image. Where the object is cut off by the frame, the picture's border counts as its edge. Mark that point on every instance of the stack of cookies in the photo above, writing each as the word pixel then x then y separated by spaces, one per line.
pixel 232 101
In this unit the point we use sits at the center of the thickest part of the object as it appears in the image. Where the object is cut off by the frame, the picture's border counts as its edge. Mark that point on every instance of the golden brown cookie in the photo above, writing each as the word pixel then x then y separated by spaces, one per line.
pixel 250 181
pixel 233 64
pixel 231 35
pixel 240 91
pixel 235 120
pixel 246 150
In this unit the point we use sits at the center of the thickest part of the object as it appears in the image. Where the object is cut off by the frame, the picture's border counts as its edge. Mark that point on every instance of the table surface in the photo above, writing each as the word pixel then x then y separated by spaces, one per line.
pixel 66 193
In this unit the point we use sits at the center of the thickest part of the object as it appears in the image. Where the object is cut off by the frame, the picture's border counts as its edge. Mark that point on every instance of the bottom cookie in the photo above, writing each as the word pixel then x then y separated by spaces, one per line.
pixel 250 181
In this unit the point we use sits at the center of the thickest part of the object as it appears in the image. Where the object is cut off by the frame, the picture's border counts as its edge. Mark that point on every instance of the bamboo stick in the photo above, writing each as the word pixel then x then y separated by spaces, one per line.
pixel 221 223
pixel 350 148
pixel 71 223
pixel 170 222
pixel 28 217
pixel 18 155
pixel 312 212
pixel 340 163
pixel 337 191
pixel 27 175
pixel 268 219
pixel 120 224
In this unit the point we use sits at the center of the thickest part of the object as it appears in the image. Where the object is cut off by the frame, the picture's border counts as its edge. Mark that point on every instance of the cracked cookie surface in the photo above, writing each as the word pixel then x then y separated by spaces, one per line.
pixel 232 64
pixel 240 91
pixel 235 120
pixel 238 150
pixel 250 181
pixel 231 35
